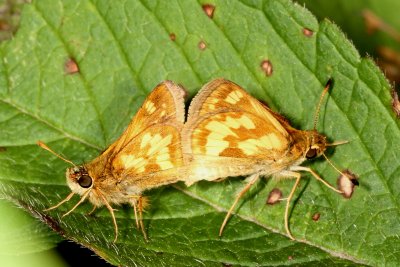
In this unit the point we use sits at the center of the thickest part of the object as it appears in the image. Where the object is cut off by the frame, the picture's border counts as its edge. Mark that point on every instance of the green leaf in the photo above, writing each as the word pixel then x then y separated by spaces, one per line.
pixel 350 16
pixel 123 49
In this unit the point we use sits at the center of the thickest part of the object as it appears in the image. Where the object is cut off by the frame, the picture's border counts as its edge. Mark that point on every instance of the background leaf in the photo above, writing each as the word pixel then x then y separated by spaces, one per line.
pixel 25 240
pixel 123 49
pixel 350 16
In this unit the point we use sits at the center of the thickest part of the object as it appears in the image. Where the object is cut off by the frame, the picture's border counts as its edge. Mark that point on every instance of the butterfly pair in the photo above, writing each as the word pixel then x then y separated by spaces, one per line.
pixel 227 133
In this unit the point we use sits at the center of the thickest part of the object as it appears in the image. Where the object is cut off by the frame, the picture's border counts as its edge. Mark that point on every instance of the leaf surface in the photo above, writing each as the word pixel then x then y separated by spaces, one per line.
pixel 123 49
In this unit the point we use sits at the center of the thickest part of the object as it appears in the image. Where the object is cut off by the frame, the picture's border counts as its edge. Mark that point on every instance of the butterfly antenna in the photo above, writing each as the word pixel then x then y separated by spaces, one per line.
pixel 337 143
pixel 45 147
pixel 326 89
pixel 333 166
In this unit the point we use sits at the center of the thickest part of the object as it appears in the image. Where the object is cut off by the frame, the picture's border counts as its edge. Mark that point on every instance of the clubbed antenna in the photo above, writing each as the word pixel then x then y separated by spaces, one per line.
pixel 42 145
pixel 326 89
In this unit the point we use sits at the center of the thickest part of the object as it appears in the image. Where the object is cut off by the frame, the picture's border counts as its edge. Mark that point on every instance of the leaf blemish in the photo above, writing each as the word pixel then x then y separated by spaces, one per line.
pixel 3 149
pixel 307 32
pixel 71 66
pixel 202 45
pixel 316 216
pixel 274 196
pixel 266 66
pixel 346 183
pixel 172 36
pixel 209 10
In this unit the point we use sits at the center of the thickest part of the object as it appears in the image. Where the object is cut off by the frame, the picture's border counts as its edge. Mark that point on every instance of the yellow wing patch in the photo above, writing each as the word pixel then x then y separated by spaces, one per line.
pixel 252 146
pixel 234 97
pixel 150 107
pixel 156 149
pixel 156 153
pixel 237 134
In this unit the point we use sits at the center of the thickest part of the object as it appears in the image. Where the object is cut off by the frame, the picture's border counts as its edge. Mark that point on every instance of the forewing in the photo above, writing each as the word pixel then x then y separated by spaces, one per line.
pixel 164 105
pixel 234 134
pixel 222 95
pixel 230 133
pixel 150 148
pixel 155 151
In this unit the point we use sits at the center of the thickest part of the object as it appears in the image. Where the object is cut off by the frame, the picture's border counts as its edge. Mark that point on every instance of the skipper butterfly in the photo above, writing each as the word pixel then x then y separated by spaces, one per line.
pixel 230 133
pixel 147 155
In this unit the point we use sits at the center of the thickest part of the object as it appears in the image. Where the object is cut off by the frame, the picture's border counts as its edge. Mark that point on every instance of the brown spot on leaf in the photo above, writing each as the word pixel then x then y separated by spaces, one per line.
pixel 71 66
pixel 202 45
pixel 307 32
pixel 209 10
pixel 274 196
pixel 266 66
pixel 346 183
pixel 290 258
pixel 3 149
pixel 316 216
pixel 172 36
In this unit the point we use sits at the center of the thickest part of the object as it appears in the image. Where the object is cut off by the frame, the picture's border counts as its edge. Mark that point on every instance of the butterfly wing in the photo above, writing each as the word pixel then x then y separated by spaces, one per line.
pixel 165 104
pixel 220 94
pixel 230 133
pixel 149 154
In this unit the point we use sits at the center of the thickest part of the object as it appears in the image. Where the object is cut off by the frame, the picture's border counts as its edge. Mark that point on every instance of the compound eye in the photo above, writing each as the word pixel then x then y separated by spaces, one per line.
pixel 85 181
pixel 311 153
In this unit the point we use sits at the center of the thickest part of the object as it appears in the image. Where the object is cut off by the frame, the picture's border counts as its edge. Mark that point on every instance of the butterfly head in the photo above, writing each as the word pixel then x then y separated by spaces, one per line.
pixel 78 179
pixel 316 145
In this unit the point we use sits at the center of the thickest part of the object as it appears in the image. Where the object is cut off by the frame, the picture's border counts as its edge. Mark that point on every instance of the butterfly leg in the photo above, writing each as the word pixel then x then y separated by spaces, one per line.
pixel 289 198
pixel 141 203
pixel 111 210
pixel 252 179
pixel 93 209
pixel 84 196
pixel 138 206
pixel 68 198
pixel 301 168
pixel 136 215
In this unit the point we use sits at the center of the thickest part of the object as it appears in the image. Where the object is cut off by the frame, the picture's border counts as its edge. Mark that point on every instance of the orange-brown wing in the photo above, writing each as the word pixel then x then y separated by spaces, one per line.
pixel 149 151
pixel 223 95
pixel 152 158
pixel 224 120
pixel 229 133
pixel 234 134
pixel 164 105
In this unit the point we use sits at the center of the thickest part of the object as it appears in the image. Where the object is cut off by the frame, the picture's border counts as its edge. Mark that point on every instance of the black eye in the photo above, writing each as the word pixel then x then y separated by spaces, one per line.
pixel 85 181
pixel 311 153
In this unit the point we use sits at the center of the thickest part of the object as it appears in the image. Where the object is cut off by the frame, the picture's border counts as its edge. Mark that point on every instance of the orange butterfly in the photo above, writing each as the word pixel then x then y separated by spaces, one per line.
pixel 147 155
pixel 230 133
